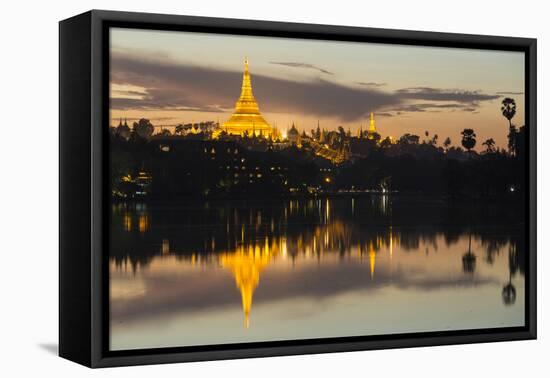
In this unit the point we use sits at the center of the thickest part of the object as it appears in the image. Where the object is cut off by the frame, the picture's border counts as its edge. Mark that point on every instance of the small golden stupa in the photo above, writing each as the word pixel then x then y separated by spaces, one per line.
pixel 372 127
pixel 247 118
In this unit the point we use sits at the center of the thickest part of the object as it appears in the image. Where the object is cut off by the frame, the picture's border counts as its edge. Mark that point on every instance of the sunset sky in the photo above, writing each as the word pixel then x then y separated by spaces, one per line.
pixel 177 77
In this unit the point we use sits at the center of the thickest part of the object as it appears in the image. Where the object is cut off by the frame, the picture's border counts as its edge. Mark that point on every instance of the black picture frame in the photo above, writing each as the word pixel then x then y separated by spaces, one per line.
pixel 83 228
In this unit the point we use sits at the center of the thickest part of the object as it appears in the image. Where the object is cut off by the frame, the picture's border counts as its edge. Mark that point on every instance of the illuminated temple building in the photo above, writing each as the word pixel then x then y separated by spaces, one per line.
pixel 372 128
pixel 247 120
pixel 371 131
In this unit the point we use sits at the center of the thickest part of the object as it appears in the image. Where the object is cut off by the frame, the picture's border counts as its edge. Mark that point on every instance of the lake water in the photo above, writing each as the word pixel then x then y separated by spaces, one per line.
pixel 219 272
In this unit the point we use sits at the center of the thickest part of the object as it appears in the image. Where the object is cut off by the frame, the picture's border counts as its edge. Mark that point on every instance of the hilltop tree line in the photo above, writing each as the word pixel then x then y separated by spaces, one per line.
pixel 407 165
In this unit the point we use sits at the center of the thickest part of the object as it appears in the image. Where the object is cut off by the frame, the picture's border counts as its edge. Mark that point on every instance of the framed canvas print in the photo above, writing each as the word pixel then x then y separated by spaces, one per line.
pixel 233 188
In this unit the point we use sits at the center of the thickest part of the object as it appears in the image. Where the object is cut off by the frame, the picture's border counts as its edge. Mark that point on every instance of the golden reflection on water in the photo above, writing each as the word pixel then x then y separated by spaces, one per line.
pixel 249 259
pixel 143 223
pixel 322 242
pixel 246 264
pixel 127 221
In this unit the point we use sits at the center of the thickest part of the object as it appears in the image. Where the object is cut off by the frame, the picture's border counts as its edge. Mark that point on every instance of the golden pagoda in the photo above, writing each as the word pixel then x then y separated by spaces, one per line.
pixel 247 118
pixel 372 128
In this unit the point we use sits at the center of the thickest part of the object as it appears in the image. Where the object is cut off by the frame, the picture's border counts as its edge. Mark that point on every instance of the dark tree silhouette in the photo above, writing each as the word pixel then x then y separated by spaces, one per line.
pixel 165 132
pixel 469 259
pixel 342 132
pixel 508 109
pixel 179 129
pixel 413 164
pixel 509 290
pixel 375 136
pixel 447 144
pixel 144 128
pixel 513 140
pixel 123 131
pixel 409 139
pixel 386 142
pixel 489 145
pixel 468 139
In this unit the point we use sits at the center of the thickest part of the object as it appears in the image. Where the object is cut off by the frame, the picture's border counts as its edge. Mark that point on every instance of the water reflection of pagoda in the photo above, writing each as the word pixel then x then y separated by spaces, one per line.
pixel 247 119
pixel 246 251
pixel 246 264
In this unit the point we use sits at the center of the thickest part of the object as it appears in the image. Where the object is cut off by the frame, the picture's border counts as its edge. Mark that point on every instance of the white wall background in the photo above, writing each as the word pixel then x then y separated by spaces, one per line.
pixel 29 186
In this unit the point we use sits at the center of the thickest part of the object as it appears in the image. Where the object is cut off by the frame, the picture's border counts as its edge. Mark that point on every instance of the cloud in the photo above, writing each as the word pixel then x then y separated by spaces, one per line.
pixel 437 99
pixel 170 85
pixel 151 103
pixel 132 119
pixel 509 93
pixel 437 94
pixel 303 65
pixel 127 94
pixel 370 84
pixel 177 86
pixel 433 107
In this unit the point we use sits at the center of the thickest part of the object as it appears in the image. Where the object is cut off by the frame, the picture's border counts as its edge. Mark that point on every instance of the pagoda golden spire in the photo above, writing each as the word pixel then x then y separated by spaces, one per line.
pixel 372 127
pixel 247 118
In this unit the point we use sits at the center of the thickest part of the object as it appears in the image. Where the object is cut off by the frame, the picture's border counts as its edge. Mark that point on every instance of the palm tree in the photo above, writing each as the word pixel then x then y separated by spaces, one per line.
pixel 490 145
pixel 512 139
pixel 342 132
pixel 468 139
pixel 508 109
pixel 447 144
pixel 469 259
pixel 509 290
